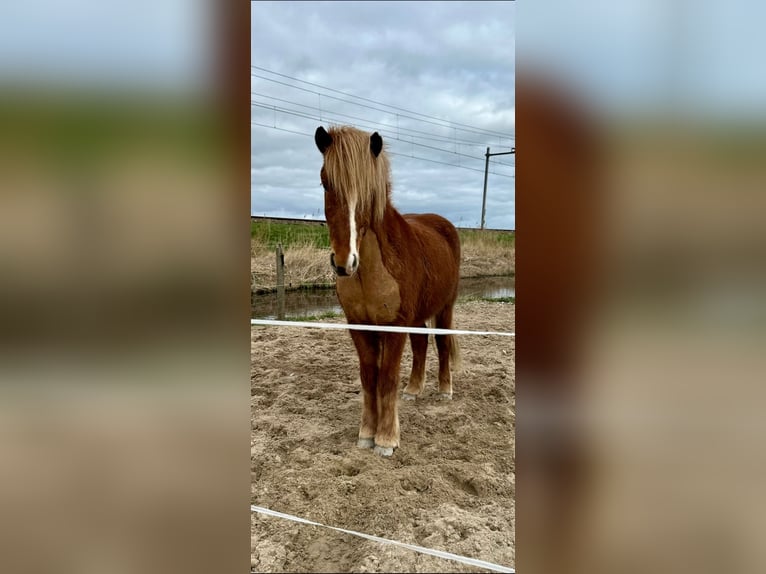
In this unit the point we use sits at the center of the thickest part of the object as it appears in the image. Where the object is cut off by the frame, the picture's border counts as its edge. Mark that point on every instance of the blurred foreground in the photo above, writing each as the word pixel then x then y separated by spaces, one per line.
pixel 124 418
pixel 640 344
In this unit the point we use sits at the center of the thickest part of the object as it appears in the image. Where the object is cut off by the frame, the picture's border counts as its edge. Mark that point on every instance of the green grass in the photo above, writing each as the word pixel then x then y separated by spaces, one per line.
pixel 487 237
pixel 325 315
pixel 269 233
pixel 500 299
pixel 469 298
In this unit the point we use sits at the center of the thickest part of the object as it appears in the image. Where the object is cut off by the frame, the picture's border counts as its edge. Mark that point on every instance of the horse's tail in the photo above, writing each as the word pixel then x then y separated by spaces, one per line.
pixel 455 358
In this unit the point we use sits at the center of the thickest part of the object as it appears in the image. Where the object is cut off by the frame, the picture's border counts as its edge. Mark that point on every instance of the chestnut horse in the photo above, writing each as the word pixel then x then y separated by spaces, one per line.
pixel 391 269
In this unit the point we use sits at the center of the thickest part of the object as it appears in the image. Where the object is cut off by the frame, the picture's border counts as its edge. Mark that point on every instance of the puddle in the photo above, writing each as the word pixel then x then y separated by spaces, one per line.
pixel 306 303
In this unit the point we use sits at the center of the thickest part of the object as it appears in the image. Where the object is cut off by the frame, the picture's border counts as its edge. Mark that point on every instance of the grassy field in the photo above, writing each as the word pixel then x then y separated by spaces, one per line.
pixel 485 253
pixel 268 233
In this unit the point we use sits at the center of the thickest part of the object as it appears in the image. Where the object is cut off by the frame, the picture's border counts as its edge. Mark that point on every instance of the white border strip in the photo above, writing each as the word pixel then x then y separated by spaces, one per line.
pixel 385 328
pixel 437 553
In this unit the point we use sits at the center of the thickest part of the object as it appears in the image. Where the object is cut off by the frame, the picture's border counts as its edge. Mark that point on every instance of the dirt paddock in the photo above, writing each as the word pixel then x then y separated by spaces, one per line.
pixel 450 486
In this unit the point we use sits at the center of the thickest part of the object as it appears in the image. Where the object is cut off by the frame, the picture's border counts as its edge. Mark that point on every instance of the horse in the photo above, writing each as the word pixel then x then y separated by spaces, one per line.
pixel 391 269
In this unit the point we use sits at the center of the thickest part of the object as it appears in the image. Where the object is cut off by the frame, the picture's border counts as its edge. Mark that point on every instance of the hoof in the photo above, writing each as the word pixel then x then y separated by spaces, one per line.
pixel 384 450
pixel 408 397
pixel 365 443
pixel 444 397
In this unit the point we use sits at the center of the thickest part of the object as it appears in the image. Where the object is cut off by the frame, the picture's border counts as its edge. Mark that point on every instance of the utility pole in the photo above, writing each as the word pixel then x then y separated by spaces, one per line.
pixel 486 171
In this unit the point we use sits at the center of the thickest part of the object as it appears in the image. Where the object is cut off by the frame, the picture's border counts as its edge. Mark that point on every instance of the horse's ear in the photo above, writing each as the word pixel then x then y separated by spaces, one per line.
pixel 376 144
pixel 322 139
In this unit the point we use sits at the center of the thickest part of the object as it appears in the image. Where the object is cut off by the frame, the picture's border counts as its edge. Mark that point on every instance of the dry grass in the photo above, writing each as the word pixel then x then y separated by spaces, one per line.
pixel 305 265
pixel 482 258
pixel 484 254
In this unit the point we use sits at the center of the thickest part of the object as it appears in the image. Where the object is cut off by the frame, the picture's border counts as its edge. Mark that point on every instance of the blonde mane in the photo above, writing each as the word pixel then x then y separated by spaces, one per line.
pixel 354 173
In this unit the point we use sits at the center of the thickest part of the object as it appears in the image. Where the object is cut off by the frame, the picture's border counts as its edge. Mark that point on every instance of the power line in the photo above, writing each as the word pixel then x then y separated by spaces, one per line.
pixel 451 164
pixel 375 125
pixel 483 132
pixel 280 129
pixel 426 135
pixel 306 116
pixel 375 102
pixel 389 152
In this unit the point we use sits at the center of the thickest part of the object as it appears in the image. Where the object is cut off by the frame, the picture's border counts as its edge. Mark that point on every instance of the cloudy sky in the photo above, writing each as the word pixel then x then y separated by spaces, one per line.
pixel 435 79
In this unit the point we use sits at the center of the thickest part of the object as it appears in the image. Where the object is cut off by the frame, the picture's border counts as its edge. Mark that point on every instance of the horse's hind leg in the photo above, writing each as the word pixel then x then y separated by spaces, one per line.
pixel 417 376
pixel 447 347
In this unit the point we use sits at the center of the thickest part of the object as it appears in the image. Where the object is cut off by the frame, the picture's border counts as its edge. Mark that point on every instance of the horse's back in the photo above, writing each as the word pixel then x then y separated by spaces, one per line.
pixel 427 225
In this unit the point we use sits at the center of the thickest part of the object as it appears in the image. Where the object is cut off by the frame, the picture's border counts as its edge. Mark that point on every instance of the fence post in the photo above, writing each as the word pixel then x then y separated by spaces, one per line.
pixel 484 195
pixel 280 283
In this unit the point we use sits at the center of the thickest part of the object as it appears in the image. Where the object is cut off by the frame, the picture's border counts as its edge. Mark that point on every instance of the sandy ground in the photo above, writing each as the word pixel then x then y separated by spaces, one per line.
pixel 450 486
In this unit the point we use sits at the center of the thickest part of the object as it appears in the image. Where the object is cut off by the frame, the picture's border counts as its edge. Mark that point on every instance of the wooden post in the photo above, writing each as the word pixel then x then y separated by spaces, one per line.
pixel 280 283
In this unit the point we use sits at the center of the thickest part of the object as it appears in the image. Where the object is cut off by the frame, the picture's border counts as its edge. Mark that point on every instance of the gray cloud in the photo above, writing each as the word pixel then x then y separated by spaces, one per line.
pixel 453 61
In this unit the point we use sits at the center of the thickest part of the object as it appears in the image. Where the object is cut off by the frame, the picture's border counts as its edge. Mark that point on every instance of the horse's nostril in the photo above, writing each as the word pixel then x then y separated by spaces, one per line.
pixel 355 262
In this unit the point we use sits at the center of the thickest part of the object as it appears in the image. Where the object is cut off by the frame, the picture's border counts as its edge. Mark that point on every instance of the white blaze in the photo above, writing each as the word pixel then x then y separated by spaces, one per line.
pixel 352 236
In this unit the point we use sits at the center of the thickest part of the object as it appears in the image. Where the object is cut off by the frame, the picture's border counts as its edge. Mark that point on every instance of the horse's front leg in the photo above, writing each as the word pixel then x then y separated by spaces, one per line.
pixel 368 348
pixel 387 434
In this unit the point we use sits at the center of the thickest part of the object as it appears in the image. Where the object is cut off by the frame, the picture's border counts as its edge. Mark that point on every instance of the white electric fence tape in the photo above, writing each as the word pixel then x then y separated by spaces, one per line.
pixel 385 328
pixel 437 553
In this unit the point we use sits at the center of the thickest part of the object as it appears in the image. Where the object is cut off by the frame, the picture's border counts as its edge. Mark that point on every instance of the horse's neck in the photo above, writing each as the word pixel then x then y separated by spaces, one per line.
pixel 393 228
pixel 390 234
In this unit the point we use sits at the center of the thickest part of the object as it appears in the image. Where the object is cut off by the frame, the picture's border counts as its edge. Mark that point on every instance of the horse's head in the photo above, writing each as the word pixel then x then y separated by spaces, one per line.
pixel 355 181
